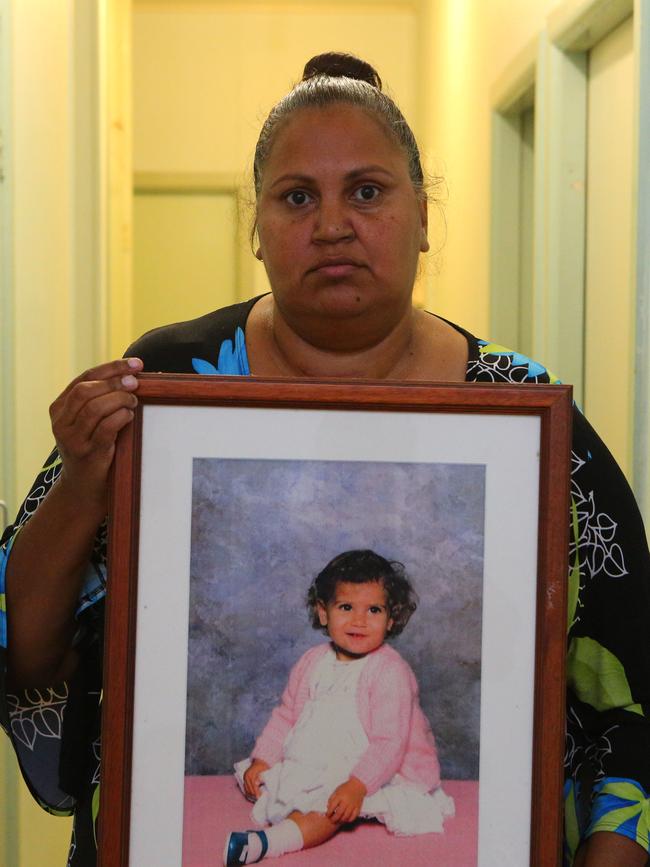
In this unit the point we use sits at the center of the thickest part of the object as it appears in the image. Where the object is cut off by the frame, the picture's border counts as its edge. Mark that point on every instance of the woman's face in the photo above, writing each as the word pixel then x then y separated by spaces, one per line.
pixel 340 224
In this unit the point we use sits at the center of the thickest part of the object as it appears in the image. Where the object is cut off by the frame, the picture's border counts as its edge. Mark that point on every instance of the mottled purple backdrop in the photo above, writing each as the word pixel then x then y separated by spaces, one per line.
pixel 262 529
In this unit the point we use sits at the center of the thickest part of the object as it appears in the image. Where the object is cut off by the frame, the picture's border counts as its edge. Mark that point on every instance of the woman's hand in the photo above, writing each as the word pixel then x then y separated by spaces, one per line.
pixel 345 802
pixel 50 554
pixel 86 419
pixel 252 781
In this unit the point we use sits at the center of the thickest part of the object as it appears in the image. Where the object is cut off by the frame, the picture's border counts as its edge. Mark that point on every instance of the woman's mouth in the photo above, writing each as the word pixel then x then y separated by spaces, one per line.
pixel 336 267
pixel 337 270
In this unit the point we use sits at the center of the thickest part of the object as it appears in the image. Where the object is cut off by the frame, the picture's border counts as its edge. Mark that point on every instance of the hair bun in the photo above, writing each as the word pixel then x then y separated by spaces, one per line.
pixel 339 65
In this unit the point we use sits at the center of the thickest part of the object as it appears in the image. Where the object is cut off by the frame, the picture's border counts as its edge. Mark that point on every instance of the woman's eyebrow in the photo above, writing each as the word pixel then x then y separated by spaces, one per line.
pixel 298 179
pixel 366 170
pixel 349 176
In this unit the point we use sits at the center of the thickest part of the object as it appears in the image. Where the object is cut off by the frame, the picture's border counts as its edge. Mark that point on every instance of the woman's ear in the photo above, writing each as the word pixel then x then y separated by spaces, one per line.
pixel 424 221
pixel 322 613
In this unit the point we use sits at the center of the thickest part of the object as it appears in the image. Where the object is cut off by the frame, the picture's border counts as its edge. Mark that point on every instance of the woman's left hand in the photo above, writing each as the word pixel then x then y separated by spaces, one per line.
pixel 345 802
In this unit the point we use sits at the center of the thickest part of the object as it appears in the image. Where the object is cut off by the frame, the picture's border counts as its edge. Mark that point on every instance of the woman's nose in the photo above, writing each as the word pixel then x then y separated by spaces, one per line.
pixel 332 223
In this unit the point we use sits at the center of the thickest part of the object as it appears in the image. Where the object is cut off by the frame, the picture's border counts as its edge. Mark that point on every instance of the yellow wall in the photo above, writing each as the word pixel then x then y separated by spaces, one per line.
pixel 42 178
pixel 469 45
pixel 9 801
pixel 43 332
pixel 610 315
pixel 206 74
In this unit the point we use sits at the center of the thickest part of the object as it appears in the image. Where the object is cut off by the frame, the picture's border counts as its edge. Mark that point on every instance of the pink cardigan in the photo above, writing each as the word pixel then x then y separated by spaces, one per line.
pixel 399 735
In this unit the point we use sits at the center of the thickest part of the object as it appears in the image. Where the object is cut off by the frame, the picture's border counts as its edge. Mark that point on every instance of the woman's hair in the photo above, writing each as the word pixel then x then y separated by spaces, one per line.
pixel 362 567
pixel 334 78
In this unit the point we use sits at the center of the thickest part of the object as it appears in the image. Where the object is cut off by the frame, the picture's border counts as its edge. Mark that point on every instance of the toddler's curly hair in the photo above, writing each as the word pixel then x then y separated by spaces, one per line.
pixel 362 567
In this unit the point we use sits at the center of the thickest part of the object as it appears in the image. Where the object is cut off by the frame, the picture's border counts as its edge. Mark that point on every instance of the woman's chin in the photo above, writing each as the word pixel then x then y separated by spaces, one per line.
pixel 341 301
pixel 342 318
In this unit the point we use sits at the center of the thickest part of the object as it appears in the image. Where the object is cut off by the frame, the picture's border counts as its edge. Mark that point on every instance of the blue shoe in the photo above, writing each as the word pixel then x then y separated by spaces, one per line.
pixel 236 850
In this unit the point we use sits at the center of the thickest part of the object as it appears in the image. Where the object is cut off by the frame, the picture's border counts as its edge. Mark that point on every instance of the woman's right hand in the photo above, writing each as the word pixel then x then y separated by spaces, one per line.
pixel 50 554
pixel 86 419
pixel 252 781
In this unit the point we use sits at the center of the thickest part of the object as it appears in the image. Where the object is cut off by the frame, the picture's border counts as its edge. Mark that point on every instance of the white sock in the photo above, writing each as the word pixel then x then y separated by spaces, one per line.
pixel 283 837
pixel 254 847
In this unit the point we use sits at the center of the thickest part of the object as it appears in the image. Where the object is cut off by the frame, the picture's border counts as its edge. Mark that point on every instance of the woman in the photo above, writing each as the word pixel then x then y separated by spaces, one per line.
pixel 341 221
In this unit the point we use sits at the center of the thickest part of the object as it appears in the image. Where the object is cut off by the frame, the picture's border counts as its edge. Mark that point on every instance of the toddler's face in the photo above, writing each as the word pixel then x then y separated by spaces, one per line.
pixel 357 618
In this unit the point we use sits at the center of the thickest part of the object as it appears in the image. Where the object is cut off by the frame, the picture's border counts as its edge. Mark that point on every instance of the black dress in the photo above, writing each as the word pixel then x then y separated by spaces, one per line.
pixel 56 731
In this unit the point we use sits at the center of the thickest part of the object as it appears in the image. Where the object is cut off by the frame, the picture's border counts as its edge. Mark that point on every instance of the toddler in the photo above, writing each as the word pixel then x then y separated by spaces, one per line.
pixel 349 738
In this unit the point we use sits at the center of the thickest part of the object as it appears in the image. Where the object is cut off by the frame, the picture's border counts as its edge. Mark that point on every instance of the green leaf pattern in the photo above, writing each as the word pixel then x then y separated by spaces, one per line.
pixel 598 678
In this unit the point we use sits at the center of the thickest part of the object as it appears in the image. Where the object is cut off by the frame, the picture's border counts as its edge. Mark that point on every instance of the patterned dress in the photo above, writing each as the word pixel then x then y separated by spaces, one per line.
pixel 56 731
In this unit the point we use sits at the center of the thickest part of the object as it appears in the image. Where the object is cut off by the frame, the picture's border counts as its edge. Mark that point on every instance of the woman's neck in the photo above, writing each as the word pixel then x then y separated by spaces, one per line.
pixel 417 347
pixel 342 353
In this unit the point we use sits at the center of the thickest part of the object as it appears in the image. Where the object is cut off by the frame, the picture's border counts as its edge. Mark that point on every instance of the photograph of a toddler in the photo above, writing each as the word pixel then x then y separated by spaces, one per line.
pixel 349 739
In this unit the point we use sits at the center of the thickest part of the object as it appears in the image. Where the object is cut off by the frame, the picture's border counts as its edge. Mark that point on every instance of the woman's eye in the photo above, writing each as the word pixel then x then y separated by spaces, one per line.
pixel 298 198
pixel 366 193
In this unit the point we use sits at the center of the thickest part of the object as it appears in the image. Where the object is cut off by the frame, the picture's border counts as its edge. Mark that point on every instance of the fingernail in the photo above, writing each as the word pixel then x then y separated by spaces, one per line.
pixel 129 381
pixel 135 363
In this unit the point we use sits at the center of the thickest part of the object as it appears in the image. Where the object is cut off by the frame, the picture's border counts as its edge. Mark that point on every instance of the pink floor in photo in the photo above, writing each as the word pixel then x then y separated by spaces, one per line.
pixel 214 806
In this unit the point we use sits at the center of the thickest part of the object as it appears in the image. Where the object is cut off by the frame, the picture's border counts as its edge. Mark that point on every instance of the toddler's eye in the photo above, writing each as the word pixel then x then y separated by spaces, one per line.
pixel 366 193
pixel 298 198
pixel 375 609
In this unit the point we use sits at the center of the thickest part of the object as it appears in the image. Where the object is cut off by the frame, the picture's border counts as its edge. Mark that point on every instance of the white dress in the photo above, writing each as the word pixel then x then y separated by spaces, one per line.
pixel 320 751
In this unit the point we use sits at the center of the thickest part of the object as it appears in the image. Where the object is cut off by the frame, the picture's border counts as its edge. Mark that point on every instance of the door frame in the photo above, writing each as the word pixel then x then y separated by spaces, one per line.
pixel 559 77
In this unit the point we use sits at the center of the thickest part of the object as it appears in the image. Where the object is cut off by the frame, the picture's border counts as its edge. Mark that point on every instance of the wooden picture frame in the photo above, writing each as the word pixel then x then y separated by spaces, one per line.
pixel 206 455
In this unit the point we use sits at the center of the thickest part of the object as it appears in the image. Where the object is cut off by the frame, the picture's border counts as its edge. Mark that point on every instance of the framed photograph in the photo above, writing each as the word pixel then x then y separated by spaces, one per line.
pixel 230 496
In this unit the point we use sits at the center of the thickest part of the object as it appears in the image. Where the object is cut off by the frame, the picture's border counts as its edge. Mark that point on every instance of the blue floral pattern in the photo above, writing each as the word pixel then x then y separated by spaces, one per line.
pixel 231 360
